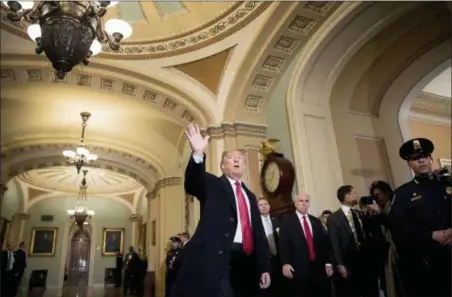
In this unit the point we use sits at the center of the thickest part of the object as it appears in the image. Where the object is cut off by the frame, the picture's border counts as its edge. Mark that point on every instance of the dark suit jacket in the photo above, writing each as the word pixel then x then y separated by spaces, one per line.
pixel 293 247
pixel 207 254
pixel 20 261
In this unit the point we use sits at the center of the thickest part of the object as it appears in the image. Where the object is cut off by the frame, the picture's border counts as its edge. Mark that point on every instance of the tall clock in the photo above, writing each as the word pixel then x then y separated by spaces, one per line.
pixel 277 177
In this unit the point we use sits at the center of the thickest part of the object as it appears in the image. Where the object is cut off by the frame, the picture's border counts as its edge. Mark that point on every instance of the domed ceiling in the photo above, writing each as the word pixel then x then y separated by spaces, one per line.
pixel 163 29
pixel 66 179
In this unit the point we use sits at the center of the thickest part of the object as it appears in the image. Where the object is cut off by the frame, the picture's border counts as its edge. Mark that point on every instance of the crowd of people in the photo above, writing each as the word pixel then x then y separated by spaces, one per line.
pixel 386 243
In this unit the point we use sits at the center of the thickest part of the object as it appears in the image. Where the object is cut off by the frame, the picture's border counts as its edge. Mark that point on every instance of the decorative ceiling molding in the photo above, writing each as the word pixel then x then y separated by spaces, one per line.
pixel 17 160
pixel 430 118
pixel 197 108
pixel 46 75
pixel 164 183
pixel 432 108
pixel 270 65
pixel 236 128
pixel 226 24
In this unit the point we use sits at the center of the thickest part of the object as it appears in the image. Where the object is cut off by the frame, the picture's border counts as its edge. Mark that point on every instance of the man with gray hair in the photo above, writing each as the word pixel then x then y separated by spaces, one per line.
pixel 304 251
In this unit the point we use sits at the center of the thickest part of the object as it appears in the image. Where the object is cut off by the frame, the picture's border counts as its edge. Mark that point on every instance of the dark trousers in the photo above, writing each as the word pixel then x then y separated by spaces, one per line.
pixel 362 280
pixel 8 284
pixel 278 287
pixel 314 285
pixel 170 278
pixel 118 277
pixel 17 280
pixel 240 278
pixel 426 276
pixel 128 282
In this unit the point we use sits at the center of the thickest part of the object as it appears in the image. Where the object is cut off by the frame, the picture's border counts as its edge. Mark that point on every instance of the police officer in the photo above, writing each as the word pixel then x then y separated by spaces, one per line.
pixel 421 225
pixel 171 259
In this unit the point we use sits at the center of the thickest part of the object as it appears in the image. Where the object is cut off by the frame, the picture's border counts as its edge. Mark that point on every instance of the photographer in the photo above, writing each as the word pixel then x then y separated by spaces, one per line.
pixel 421 225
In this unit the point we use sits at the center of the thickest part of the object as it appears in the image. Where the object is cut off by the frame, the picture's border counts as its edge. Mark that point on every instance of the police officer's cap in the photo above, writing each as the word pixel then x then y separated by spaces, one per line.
pixel 174 239
pixel 417 147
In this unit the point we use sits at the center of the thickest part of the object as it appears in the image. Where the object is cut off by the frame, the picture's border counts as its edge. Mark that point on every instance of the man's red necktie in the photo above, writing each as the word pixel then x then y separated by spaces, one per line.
pixel 309 239
pixel 247 235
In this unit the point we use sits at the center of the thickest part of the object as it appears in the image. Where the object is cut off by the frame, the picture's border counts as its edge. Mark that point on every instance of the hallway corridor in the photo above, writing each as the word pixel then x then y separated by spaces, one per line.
pixel 75 291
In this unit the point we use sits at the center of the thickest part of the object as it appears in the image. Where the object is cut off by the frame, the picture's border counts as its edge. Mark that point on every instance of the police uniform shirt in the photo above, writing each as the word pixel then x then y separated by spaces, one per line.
pixel 420 207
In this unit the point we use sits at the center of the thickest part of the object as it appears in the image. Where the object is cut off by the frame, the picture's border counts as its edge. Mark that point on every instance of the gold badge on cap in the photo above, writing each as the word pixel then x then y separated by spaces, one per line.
pixel 416 145
pixel 449 190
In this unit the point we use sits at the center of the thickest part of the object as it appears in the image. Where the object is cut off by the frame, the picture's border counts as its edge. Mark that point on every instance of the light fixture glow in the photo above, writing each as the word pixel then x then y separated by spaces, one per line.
pixel 34 31
pixel 96 47
pixel 115 26
pixel 27 4
pixel 112 3
pixel 82 151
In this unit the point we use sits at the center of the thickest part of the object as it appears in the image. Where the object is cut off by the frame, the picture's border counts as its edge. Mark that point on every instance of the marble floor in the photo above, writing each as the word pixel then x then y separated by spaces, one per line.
pixel 75 291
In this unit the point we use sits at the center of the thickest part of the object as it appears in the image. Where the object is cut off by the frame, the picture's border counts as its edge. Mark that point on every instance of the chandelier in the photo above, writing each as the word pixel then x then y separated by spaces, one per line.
pixel 69 32
pixel 81 157
pixel 80 214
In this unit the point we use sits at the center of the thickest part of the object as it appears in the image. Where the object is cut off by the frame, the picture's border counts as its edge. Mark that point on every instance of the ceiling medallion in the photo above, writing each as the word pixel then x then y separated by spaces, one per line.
pixel 69 32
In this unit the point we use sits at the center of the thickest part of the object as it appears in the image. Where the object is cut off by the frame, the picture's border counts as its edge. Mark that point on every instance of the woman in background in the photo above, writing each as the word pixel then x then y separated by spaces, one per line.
pixel 389 278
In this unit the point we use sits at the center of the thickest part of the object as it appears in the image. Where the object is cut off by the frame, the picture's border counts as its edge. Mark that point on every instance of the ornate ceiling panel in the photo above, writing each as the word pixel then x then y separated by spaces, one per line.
pixel 66 179
pixel 79 77
pixel 164 29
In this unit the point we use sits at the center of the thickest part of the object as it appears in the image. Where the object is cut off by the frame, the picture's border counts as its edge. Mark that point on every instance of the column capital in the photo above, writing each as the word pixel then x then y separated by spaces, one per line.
pixel 23 216
pixel 135 217
pixel 236 128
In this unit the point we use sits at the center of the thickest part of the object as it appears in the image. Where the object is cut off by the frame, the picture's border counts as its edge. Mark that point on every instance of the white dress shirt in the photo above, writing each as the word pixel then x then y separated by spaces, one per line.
pixel 301 218
pixel 10 261
pixel 238 232
pixel 268 228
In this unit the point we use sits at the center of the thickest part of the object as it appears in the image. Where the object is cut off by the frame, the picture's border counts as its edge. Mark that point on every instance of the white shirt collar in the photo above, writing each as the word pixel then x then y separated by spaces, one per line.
pixel 267 216
pixel 345 208
pixel 233 181
pixel 300 215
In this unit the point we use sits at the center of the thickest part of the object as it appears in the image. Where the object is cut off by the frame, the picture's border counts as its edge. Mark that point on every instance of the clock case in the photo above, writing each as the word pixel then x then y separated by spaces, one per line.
pixel 281 198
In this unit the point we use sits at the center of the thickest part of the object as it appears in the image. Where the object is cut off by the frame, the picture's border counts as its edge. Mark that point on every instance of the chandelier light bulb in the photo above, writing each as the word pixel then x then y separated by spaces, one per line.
pixel 27 4
pixel 116 26
pixel 69 154
pixel 82 151
pixel 34 31
pixel 113 3
pixel 95 48
pixel 71 212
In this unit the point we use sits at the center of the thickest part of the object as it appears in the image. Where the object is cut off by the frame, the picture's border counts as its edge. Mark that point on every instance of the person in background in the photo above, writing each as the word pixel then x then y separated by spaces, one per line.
pixel 388 273
pixel 118 270
pixel 184 238
pixel 324 218
pixel 131 264
pixel 271 228
pixel 421 225
pixel 20 263
pixel 172 259
pixel 7 271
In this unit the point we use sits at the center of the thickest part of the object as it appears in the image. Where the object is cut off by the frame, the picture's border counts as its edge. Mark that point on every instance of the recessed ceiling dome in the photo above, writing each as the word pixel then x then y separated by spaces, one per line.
pixel 66 179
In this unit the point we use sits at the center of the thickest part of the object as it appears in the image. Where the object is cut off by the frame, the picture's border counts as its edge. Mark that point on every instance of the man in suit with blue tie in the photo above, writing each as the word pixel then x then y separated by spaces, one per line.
pixel 228 255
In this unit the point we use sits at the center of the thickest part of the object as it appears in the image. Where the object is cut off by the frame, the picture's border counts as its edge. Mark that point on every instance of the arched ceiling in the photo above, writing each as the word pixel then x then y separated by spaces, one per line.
pixel 441 84
pixel 66 179
pixel 169 28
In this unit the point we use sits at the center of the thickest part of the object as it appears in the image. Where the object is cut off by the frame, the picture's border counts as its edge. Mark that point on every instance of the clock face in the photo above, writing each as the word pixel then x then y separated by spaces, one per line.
pixel 272 176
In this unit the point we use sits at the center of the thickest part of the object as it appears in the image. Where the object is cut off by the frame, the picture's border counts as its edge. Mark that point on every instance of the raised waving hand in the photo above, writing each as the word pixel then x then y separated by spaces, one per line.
pixel 198 142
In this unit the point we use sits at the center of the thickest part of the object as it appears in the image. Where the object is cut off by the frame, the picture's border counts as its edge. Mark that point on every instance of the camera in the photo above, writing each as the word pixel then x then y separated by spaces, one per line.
pixel 367 200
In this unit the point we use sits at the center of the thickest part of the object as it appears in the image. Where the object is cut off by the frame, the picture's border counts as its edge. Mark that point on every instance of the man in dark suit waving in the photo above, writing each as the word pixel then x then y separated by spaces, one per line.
pixel 228 256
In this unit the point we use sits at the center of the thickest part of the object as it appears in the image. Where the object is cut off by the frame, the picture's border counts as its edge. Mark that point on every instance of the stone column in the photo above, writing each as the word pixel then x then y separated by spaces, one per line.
pixel 170 203
pixel 17 228
pixel 136 223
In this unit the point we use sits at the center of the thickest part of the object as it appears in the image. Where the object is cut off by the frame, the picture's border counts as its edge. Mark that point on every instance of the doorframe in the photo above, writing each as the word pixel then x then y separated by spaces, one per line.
pixel 66 238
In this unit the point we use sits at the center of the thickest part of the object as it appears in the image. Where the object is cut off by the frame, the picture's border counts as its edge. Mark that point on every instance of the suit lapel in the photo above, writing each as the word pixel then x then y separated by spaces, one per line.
pixel 230 193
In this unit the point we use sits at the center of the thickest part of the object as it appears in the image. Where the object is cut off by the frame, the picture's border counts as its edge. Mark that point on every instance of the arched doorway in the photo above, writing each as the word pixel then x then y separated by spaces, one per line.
pixel 78 260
